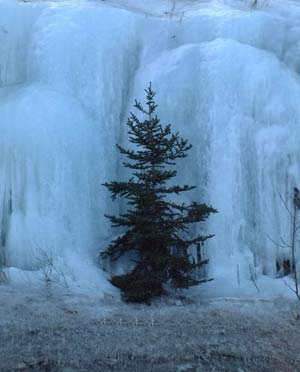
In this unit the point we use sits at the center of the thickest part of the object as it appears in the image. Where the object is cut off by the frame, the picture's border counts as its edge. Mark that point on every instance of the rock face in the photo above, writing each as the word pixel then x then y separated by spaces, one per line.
pixel 226 78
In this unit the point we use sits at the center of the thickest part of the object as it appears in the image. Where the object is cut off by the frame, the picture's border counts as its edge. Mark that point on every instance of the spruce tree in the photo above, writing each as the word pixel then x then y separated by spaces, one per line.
pixel 154 224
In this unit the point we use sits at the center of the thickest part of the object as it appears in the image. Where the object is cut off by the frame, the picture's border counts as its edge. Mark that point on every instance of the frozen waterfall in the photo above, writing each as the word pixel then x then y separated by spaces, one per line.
pixel 226 77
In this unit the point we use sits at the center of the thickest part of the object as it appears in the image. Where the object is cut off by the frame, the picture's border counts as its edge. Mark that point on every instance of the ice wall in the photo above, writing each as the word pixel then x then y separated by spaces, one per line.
pixel 226 76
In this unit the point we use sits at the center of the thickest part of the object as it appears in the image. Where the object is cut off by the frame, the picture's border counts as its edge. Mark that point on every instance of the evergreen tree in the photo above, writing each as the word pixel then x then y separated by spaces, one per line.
pixel 155 225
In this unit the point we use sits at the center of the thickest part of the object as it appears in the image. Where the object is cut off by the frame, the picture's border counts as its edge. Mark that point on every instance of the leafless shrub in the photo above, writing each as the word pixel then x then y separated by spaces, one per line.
pixel 47 262
pixel 282 243
pixel 255 4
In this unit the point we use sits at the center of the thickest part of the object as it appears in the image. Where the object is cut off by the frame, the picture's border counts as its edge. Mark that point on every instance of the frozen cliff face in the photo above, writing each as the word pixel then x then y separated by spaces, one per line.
pixel 226 77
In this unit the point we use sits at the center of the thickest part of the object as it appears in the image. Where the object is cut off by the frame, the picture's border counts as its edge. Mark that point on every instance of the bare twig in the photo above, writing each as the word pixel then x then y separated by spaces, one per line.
pixel 295 228
pixel 253 279
pixel 3 277
pixel 285 243
pixel 292 289
pixel 238 274
pixel 284 203
pixel 296 203
pixel 253 4
pixel 181 17
pixel 172 10
pixel 278 244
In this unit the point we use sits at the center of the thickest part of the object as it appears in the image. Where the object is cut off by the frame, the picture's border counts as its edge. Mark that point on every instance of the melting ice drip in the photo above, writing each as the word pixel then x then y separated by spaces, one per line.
pixel 227 78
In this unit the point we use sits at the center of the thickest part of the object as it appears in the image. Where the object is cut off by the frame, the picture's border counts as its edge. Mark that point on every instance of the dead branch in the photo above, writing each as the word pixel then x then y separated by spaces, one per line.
pixel 292 289
pixel 253 279
pixel 278 244
pixel 284 203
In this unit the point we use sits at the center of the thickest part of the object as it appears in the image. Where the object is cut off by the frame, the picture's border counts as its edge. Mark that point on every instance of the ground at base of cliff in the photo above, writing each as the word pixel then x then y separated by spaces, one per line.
pixel 43 331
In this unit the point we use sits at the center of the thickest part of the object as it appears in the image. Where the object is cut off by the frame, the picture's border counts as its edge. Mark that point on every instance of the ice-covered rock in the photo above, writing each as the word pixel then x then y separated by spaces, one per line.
pixel 226 76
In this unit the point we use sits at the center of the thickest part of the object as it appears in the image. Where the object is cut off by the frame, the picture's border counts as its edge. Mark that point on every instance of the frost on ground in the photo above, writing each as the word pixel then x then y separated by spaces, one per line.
pixel 44 332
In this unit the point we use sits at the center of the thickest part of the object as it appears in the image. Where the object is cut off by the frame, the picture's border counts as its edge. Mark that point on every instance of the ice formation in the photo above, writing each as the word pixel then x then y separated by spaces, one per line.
pixel 226 76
